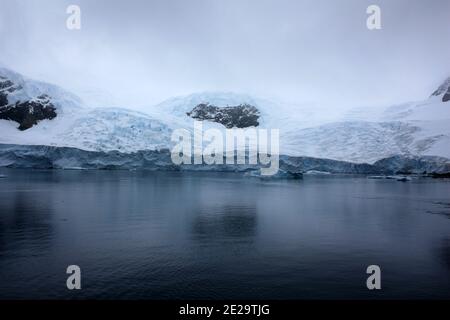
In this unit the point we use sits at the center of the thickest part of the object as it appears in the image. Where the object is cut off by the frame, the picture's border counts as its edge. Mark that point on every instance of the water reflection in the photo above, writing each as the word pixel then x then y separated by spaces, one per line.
pixel 443 253
pixel 26 218
pixel 225 222
pixel 186 235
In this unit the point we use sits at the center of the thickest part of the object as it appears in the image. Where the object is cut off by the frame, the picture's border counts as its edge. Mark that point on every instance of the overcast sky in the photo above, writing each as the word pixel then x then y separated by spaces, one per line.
pixel 138 53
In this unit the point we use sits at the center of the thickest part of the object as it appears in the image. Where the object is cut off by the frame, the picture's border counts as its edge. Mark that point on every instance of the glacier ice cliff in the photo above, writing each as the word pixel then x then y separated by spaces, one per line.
pixel 50 157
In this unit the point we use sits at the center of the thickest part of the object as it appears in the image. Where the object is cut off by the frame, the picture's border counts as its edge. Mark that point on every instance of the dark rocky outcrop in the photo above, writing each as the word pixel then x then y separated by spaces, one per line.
pixel 444 90
pixel 5 87
pixel 3 99
pixel 25 113
pixel 241 116
pixel 29 113
pixel 6 84
pixel 446 97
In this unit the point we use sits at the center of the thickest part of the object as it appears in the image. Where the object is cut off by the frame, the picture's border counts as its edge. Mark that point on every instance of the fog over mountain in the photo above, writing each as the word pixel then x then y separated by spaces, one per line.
pixel 136 53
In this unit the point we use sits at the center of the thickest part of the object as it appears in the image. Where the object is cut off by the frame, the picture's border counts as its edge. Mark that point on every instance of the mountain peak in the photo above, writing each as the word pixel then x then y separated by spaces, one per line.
pixel 443 90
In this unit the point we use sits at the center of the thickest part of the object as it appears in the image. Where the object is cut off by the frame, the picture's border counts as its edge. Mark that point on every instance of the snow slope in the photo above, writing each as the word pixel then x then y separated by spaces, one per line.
pixel 77 125
pixel 414 129
pixel 419 128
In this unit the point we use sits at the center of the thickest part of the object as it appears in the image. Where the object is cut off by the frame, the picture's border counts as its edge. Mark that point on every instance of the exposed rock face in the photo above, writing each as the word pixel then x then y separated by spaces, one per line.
pixel 241 116
pixel 446 96
pixel 27 113
pixel 3 99
pixel 7 87
pixel 444 90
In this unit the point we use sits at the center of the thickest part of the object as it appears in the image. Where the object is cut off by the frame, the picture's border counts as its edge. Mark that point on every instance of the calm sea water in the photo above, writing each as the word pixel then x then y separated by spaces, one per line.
pixel 144 235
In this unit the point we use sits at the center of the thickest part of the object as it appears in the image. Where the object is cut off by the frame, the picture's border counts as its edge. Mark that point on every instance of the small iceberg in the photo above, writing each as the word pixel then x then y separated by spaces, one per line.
pixel 2 176
pixel 317 172
pixel 398 178
pixel 281 174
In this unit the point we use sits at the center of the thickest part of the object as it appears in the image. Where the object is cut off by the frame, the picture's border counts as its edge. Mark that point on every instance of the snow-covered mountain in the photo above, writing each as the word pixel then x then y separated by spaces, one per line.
pixel 273 113
pixel 75 124
pixel 25 89
pixel 416 128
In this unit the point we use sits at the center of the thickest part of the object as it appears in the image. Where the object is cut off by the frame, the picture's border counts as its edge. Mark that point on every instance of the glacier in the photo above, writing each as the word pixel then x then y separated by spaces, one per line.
pixel 413 130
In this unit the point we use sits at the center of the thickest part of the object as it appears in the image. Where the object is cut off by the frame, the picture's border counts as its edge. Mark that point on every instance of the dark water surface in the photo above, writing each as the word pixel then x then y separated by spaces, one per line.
pixel 212 235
